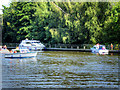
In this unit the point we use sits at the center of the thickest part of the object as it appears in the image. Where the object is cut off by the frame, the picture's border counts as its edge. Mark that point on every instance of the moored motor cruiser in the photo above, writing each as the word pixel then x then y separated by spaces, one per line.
pixel 31 45
pixel 100 49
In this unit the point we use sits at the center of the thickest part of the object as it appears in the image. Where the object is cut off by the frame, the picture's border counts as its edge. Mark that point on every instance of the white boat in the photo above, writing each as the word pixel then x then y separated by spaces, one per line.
pixel 99 49
pixel 31 45
pixel 20 53
pixel 2 50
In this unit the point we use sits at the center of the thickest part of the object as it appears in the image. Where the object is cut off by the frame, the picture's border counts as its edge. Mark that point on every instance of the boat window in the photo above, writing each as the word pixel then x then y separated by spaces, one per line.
pixel 28 43
pixel 100 47
pixel 35 42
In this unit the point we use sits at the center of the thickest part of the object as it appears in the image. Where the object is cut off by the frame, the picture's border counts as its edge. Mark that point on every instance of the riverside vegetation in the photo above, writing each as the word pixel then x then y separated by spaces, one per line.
pixel 62 22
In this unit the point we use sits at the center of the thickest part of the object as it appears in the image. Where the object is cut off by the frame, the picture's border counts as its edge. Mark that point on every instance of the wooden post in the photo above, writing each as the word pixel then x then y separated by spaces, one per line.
pixel 71 47
pixel 60 47
pixel 49 46
pixel 77 47
pixel 84 46
pixel 16 44
pixel 55 45
pixel 109 47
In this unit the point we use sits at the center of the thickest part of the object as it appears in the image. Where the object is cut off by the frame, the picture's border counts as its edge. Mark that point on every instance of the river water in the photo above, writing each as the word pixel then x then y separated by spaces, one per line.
pixel 51 69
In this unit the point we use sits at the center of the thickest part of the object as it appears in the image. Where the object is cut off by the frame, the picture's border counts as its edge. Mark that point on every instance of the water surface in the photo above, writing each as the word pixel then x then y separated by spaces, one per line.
pixel 60 69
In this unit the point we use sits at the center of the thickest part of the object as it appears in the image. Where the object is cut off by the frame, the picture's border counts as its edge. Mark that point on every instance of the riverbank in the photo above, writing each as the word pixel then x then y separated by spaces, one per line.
pixel 66 49
pixel 71 49
pixel 80 50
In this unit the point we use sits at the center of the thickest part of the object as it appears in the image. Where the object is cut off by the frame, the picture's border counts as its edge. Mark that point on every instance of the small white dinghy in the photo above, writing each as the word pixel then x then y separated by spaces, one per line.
pixel 100 49
pixel 20 53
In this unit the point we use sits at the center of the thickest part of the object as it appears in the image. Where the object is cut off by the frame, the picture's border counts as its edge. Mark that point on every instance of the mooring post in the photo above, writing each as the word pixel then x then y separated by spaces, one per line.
pixel 77 47
pixel 55 45
pixel 84 46
pixel 17 45
pixel 109 47
pixel 49 46
pixel 60 47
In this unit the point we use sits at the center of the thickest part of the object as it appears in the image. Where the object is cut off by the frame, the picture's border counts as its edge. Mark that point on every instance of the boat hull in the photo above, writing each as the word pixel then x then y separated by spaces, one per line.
pixel 100 51
pixel 4 51
pixel 21 55
pixel 103 51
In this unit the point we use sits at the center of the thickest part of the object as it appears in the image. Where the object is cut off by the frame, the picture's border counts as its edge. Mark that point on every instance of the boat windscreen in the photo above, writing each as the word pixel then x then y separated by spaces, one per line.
pixel 35 42
pixel 100 47
pixel 28 43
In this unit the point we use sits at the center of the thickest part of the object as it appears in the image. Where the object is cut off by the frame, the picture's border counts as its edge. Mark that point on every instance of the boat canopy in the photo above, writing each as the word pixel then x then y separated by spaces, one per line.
pixel 100 46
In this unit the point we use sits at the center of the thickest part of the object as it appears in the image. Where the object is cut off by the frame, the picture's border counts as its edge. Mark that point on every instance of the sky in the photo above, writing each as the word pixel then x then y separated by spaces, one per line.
pixel 4 2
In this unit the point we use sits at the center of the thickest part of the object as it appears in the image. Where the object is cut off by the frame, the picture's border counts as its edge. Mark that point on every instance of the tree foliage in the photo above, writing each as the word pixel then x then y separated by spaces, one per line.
pixel 62 22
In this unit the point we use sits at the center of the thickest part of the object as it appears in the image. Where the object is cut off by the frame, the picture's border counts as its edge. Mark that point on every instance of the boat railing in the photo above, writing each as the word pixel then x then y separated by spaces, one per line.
pixel 72 46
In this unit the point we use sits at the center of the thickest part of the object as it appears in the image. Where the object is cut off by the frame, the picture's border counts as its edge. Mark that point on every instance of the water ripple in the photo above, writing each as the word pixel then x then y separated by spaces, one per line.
pixel 61 70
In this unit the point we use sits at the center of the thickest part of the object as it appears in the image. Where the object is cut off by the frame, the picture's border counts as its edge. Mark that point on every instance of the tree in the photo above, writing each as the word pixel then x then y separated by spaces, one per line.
pixel 62 22
pixel 17 21
pixel 112 25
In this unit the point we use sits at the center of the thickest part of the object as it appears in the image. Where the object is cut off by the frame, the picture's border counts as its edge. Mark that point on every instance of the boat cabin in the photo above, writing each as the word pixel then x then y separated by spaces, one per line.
pixel 99 47
pixel 20 51
pixel 31 45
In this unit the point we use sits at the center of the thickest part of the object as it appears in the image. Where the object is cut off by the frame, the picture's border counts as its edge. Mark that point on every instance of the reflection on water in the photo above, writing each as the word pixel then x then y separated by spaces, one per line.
pixel 61 70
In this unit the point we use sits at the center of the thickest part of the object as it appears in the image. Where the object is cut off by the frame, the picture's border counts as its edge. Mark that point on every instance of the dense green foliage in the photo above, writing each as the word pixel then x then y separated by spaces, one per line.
pixel 62 22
